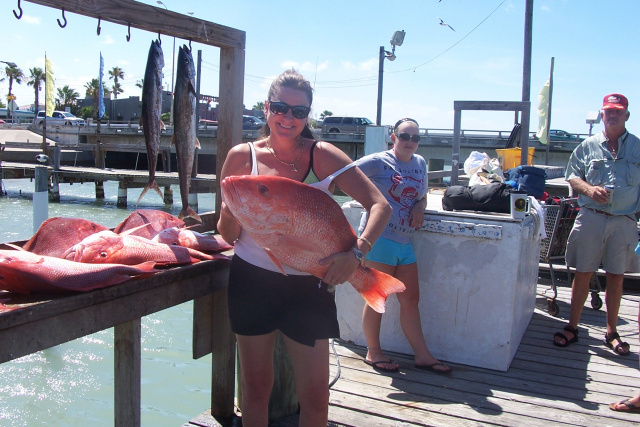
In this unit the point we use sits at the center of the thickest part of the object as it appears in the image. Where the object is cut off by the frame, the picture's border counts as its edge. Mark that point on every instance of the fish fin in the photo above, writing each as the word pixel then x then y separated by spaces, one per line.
pixel 148 266
pixel 275 260
pixel 131 230
pixel 188 212
pixel 375 286
pixel 198 143
pixel 151 185
pixel 191 88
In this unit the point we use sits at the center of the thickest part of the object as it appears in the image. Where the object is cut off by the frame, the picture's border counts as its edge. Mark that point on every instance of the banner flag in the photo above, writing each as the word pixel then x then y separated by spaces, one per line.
pixel 49 85
pixel 101 90
pixel 543 114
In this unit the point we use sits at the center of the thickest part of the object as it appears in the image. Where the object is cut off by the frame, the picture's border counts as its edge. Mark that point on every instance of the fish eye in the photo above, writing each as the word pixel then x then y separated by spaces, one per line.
pixel 103 254
pixel 263 189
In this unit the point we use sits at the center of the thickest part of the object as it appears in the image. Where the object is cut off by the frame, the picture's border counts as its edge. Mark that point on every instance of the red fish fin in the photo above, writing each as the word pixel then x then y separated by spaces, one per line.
pixel 148 266
pixel 16 247
pixel 276 261
pixel 131 230
pixel 375 286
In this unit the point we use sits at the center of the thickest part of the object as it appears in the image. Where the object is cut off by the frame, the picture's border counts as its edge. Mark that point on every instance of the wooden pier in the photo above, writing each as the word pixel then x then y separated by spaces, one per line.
pixel 126 178
pixel 544 386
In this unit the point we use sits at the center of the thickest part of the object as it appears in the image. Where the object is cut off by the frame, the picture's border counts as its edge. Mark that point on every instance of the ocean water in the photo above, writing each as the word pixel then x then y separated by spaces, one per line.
pixel 72 384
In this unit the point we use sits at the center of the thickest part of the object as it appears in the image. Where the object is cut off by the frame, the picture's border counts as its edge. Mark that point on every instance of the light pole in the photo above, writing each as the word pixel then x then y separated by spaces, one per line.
pixel 172 69
pixel 396 40
pixel 11 98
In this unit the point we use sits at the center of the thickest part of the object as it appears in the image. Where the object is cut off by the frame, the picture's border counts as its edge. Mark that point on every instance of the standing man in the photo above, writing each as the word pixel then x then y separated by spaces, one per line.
pixel 605 230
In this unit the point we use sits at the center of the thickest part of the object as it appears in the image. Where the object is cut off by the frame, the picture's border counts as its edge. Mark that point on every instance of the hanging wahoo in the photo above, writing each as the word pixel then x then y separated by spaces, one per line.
pixel 150 119
pixel 184 134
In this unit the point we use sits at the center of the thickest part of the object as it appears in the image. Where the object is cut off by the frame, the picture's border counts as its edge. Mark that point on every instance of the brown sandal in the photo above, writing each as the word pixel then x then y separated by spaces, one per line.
pixel 567 341
pixel 608 341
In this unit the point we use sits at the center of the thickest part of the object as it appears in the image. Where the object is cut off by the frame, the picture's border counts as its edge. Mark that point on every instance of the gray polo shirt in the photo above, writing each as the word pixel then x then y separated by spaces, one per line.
pixel 592 162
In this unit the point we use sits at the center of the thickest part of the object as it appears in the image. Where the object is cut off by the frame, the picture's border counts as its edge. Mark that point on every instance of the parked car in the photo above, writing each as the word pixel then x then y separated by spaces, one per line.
pixel 251 123
pixel 59 118
pixel 338 124
pixel 561 135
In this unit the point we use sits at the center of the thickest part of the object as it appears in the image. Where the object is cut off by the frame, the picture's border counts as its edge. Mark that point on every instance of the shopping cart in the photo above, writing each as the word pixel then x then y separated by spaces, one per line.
pixel 559 219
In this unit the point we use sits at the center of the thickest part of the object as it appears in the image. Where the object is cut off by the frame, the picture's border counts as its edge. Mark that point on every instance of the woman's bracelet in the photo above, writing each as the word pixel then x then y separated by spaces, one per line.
pixel 366 241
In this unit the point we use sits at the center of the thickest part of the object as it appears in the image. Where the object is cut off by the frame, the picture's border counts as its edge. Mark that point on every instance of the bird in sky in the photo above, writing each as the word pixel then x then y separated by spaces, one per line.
pixel 445 24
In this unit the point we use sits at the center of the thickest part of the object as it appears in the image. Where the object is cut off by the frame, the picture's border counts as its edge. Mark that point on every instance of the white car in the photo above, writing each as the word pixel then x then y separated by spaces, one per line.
pixel 59 118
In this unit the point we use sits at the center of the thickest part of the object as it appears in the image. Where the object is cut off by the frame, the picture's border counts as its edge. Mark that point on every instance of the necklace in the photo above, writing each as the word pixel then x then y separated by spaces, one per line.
pixel 293 165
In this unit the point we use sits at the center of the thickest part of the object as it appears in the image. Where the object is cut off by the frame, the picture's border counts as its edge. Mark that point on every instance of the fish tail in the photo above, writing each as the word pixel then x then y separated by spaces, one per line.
pixel 152 185
pixel 188 212
pixel 375 286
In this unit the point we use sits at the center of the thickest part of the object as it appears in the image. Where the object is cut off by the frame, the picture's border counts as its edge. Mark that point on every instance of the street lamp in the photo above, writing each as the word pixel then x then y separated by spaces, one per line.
pixel 396 40
pixel 172 69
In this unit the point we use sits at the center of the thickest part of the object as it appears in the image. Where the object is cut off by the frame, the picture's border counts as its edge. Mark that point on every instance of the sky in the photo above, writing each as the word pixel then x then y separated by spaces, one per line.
pixel 336 44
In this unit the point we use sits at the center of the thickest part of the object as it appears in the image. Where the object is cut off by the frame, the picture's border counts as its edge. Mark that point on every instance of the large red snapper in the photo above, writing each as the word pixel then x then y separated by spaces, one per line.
pixel 298 225
pixel 112 248
pixel 56 235
pixel 24 272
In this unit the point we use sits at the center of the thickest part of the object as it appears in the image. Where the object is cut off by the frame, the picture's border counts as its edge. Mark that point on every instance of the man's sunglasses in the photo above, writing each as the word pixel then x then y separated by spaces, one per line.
pixel 297 111
pixel 404 136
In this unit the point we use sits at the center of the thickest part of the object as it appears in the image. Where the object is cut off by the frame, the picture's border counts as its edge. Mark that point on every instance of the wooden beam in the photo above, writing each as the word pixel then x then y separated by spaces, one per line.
pixel 153 19
pixel 492 105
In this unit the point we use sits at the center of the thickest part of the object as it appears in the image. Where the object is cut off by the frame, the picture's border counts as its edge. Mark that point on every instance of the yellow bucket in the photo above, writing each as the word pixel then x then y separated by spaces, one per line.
pixel 510 157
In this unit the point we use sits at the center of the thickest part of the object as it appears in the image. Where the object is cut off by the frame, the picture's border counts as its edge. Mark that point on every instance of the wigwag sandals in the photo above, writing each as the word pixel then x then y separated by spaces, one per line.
pixel 562 336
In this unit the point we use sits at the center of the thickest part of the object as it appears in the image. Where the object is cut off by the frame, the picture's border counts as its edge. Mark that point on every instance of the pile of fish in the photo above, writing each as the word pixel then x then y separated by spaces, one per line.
pixel 74 254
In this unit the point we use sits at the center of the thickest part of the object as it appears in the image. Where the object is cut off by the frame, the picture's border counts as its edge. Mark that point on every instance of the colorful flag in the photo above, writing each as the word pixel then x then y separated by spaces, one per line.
pixel 543 114
pixel 49 85
pixel 101 90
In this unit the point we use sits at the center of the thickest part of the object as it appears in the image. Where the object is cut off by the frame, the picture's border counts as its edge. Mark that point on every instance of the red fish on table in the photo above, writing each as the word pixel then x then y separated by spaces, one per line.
pixel 109 247
pixel 56 235
pixel 298 225
pixel 155 220
pixel 24 272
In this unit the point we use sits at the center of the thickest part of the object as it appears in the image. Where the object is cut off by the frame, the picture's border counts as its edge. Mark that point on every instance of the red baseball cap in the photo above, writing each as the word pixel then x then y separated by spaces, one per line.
pixel 615 100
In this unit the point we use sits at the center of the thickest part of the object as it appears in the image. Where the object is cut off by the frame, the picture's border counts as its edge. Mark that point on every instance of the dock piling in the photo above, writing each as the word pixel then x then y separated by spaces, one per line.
pixel 54 191
pixel 40 195
pixel 122 196
pixel 168 195
pixel 99 190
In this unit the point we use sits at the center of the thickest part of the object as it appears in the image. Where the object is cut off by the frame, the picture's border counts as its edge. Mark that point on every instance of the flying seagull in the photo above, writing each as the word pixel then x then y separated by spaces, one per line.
pixel 445 24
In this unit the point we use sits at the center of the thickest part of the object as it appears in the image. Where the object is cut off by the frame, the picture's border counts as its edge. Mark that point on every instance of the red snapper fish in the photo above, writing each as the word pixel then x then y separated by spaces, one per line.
pixel 155 220
pixel 112 248
pixel 192 239
pixel 56 235
pixel 24 272
pixel 298 225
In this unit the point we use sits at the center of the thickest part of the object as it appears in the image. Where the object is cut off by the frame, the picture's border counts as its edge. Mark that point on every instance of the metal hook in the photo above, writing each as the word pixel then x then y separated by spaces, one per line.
pixel 20 9
pixel 99 26
pixel 190 46
pixel 159 39
pixel 65 20
pixel 128 32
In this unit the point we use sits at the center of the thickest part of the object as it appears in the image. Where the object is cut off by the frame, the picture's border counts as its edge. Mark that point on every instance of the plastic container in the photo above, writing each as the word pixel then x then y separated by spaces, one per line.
pixel 510 157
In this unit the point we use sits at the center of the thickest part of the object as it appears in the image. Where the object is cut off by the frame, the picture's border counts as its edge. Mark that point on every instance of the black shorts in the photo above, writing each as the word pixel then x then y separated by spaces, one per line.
pixel 261 301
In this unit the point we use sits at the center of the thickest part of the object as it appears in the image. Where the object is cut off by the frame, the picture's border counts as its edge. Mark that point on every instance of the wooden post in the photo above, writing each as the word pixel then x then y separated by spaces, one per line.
pixel 54 193
pixel 122 195
pixel 168 195
pixel 435 165
pixel 99 190
pixel 40 197
pixel 283 400
pixel 223 357
pixel 127 368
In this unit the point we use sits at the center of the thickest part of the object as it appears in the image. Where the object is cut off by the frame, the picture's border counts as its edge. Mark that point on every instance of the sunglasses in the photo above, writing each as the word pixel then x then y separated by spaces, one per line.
pixel 297 111
pixel 404 136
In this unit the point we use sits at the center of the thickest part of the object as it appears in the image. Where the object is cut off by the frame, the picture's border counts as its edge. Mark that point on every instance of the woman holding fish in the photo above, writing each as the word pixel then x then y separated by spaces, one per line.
pixel 400 174
pixel 261 298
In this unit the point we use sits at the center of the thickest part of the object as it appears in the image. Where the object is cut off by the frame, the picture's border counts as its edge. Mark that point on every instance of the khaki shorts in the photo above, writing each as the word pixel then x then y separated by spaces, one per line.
pixel 600 240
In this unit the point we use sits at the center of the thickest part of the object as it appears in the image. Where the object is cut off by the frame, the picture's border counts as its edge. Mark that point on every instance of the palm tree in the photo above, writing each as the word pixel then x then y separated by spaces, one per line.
pixel 259 106
pixel 93 90
pixel 67 97
pixel 36 79
pixel 116 73
pixel 15 74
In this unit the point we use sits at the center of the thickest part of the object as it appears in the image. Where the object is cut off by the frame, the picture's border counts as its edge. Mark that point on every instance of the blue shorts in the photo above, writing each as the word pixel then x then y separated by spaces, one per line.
pixel 388 252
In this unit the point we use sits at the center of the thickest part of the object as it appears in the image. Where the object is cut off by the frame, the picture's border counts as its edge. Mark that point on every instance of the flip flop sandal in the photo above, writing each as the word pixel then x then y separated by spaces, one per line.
pixel 567 341
pixel 631 408
pixel 608 341
pixel 431 368
pixel 378 366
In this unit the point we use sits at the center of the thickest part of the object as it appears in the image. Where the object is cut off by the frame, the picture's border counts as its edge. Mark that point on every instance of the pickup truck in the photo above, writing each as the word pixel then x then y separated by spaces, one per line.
pixel 59 118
